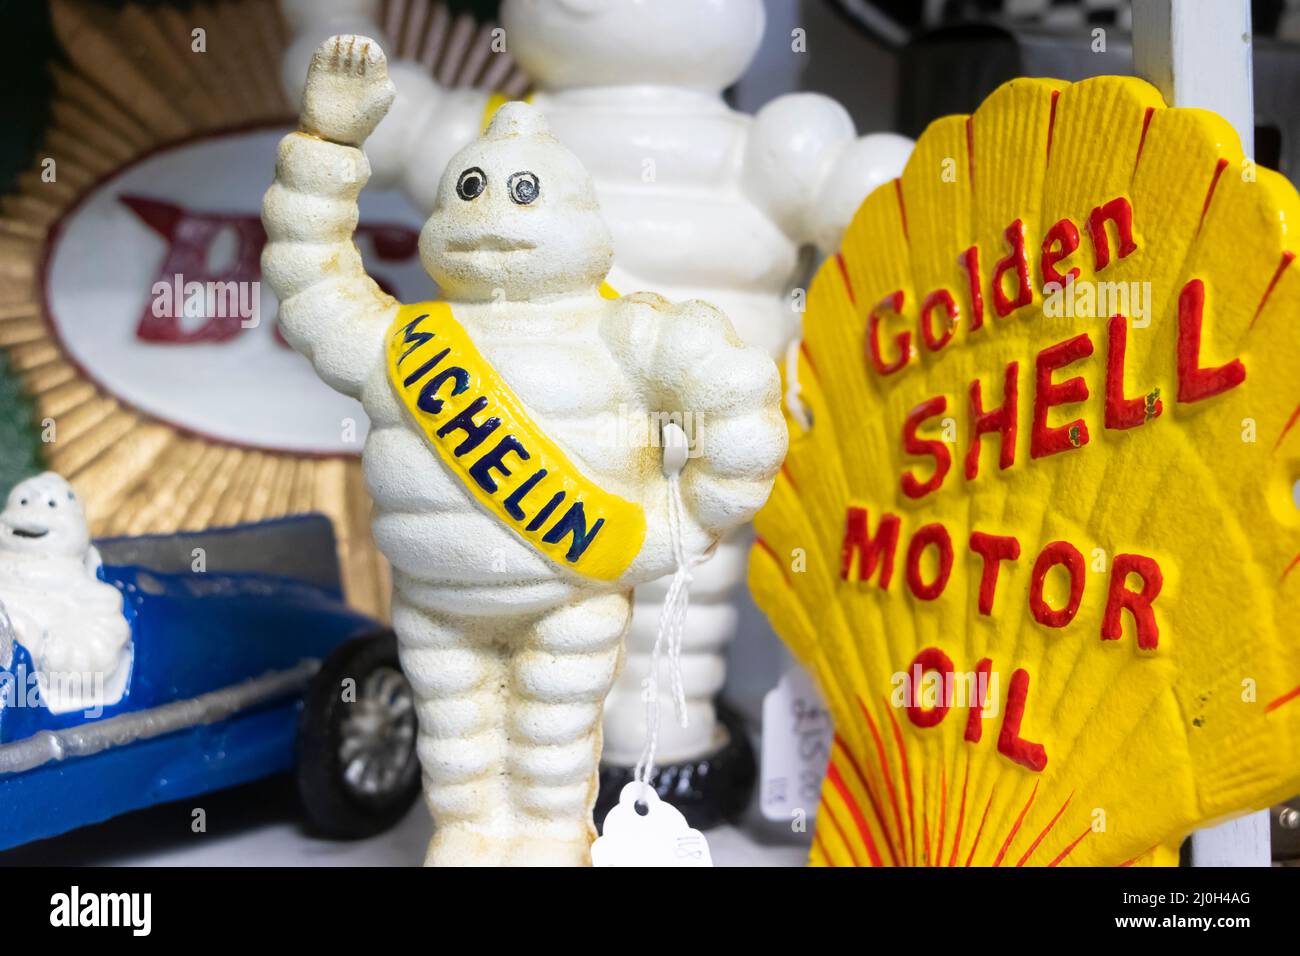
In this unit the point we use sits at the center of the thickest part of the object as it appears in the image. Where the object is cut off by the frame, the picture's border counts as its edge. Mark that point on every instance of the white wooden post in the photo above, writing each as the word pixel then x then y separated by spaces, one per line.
pixel 1240 842
pixel 1198 53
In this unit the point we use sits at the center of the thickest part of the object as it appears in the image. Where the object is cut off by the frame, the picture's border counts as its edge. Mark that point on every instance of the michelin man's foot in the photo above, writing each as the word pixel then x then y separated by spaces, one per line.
pixel 460 845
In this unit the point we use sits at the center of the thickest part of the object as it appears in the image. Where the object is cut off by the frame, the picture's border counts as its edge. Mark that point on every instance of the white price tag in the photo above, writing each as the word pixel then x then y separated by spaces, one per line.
pixel 659 836
pixel 797 735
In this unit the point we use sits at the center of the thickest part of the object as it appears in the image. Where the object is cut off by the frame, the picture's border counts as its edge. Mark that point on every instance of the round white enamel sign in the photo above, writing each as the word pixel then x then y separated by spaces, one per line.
pixel 152 283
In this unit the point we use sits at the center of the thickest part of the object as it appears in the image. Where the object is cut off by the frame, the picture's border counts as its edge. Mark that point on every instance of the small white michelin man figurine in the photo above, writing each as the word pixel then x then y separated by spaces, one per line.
pixel 515 514
pixel 702 201
pixel 71 622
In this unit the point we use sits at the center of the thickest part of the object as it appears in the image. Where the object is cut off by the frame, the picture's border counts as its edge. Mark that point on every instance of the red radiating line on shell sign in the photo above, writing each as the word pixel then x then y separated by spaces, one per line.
pixel 871 797
pixel 1056 861
pixel 1146 122
pixel 820 847
pixel 789 477
pixel 1047 829
pixel 1219 167
pixel 889 778
pixel 1287 259
pixel 830 815
pixel 807 354
pixel 848 283
pixel 1130 862
pixel 943 812
pixel 760 543
pixel 1289 696
pixel 1015 827
pixel 1290 423
pixel 980 832
pixel 961 816
pixel 1291 567
pixel 925 822
pixel 907 779
pixel 859 821
pixel 1051 123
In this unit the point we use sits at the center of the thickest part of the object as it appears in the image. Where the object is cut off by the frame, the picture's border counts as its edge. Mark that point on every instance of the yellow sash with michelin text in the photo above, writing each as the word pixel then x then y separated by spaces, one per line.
pixel 486 438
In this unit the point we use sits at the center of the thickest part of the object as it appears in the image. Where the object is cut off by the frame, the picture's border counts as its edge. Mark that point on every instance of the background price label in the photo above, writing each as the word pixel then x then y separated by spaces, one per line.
pixel 797 735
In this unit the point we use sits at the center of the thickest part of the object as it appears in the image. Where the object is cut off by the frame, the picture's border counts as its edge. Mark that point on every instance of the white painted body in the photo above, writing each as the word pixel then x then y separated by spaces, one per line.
pixel 510 655
pixel 702 201
pixel 71 622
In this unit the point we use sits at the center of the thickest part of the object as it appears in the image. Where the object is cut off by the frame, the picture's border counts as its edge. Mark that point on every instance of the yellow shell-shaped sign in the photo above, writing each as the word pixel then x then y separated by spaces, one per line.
pixel 1039 544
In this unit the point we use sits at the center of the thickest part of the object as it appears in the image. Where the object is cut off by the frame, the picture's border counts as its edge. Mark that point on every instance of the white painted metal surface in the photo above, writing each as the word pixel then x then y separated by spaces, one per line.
pixel 1240 842
pixel 1198 53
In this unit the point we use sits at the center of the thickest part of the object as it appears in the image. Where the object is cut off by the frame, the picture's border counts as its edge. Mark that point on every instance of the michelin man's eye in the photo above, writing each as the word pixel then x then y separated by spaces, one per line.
pixel 523 188
pixel 471 184
pixel 23 502
pixel 53 503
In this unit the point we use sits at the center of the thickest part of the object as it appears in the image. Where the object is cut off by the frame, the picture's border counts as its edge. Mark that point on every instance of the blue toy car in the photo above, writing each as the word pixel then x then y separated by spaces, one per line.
pixel 246 662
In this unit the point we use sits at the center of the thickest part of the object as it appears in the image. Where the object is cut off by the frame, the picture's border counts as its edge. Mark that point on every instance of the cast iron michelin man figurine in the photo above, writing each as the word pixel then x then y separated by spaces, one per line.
pixel 702 201
pixel 516 516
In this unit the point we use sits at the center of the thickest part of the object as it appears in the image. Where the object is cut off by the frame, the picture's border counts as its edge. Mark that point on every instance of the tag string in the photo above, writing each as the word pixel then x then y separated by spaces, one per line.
pixel 672 627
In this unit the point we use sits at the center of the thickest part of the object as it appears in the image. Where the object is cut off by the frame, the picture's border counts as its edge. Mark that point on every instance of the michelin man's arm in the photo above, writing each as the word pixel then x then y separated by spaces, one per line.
pixel 427 124
pixel 330 310
pixel 807 167
pixel 93 561
pixel 86 638
pixel 691 366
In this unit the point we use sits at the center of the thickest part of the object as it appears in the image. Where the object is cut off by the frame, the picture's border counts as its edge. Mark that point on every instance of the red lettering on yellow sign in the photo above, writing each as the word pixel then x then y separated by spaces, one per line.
pixel 931 665
pixel 863 553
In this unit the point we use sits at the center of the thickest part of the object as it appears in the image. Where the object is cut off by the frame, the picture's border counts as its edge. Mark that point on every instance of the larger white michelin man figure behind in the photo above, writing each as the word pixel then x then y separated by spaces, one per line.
pixel 515 518
pixel 701 201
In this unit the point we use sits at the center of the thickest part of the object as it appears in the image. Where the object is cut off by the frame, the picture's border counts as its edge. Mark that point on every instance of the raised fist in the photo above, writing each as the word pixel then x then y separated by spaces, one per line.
pixel 348 91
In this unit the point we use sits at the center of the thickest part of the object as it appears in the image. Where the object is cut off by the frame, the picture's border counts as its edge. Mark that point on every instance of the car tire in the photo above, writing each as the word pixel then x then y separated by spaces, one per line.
pixel 357 769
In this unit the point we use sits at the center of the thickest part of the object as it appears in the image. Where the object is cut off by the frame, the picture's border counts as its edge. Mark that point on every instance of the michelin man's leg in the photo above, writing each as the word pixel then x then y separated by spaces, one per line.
pixel 562 670
pixel 458 670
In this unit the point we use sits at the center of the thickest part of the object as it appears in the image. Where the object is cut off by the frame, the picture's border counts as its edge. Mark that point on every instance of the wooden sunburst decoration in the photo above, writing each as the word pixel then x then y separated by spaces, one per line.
pixel 134 89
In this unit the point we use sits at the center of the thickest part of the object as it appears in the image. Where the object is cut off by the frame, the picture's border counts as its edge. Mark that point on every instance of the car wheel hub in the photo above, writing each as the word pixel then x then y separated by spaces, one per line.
pixel 377 735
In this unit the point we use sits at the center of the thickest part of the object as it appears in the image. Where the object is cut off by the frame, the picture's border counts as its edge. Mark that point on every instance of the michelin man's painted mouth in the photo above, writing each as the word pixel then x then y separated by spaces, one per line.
pixel 29 532
pixel 490 244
